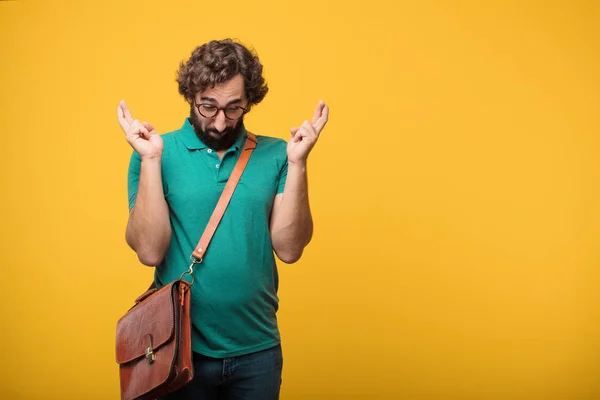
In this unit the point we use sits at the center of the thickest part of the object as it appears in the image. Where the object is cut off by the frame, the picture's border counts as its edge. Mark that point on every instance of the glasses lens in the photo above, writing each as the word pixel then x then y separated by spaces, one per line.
pixel 234 112
pixel 207 110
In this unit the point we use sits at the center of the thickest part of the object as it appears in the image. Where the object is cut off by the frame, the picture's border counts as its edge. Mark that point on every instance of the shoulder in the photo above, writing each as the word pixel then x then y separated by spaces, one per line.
pixel 269 144
pixel 173 144
pixel 270 154
pixel 171 138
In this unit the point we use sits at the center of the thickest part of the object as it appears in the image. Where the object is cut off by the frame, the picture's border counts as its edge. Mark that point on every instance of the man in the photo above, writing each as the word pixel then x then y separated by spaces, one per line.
pixel 175 181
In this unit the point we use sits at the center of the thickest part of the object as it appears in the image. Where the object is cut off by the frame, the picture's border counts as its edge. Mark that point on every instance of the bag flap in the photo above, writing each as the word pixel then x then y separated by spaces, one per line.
pixel 149 323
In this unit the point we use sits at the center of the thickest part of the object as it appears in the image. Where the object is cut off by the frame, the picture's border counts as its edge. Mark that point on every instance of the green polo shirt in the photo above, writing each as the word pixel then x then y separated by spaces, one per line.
pixel 234 296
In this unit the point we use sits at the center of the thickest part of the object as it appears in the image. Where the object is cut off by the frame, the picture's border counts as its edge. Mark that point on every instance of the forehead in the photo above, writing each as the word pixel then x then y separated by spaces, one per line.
pixel 226 91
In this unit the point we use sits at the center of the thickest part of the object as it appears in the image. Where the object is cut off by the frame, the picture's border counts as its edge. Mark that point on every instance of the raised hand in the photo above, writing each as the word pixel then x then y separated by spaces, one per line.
pixel 305 137
pixel 144 139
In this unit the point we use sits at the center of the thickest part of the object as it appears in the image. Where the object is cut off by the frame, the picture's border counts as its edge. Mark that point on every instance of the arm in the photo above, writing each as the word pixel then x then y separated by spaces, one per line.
pixel 148 230
pixel 291 221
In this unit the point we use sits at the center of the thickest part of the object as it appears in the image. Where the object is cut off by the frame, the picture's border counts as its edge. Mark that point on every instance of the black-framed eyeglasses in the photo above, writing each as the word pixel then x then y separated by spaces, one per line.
pixel 210 111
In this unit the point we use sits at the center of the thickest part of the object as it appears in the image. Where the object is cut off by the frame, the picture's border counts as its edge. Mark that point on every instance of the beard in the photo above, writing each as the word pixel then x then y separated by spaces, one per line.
pixel 224 140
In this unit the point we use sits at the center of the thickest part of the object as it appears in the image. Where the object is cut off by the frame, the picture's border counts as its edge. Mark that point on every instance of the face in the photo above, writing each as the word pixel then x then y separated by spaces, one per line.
pixel 219 132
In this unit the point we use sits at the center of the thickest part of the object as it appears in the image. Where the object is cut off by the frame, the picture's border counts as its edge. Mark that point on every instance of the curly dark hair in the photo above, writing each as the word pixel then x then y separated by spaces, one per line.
pixel 218 61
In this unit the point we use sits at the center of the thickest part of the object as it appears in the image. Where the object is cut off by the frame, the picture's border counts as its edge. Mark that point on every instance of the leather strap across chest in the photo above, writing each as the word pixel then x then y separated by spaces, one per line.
pixel 223 202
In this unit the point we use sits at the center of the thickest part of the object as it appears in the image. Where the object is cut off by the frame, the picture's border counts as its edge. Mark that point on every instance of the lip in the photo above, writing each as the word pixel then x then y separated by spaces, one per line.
pixel 217 134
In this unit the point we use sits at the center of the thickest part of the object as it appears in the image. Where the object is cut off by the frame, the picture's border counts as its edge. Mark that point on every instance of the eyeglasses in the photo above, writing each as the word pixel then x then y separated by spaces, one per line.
pixel 211 111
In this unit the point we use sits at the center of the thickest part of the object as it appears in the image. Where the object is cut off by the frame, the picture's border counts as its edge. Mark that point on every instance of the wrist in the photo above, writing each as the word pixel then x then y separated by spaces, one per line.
pixel 300 164
pixel 149 159
pixel 297 165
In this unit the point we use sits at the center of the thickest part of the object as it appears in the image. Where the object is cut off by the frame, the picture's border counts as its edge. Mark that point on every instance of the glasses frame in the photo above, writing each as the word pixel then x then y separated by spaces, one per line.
pixel 198 105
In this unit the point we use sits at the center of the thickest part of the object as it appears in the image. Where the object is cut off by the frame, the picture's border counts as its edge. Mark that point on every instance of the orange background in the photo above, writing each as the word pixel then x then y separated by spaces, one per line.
pixel 454 190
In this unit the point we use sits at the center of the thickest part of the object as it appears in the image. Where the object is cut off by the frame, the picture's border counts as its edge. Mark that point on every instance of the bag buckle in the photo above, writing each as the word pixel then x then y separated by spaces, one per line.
pixel 150 355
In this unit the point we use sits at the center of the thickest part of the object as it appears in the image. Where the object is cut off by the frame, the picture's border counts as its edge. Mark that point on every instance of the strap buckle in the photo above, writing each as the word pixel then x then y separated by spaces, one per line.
pixel 190 270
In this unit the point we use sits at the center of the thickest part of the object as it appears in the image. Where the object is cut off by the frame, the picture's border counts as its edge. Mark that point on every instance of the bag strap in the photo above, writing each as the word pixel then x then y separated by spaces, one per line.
pixel 200 250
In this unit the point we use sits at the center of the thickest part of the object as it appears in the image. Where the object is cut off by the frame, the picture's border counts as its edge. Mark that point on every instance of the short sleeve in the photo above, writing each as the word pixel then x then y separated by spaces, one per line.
pixel 133 178
pixel 282 176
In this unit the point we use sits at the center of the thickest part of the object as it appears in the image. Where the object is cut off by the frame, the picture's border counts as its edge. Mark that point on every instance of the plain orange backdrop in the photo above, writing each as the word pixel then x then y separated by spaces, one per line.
pixel 454 190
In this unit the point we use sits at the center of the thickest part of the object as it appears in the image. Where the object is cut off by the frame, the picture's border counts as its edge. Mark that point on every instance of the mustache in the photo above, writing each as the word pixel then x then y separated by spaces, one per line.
pixel 214 130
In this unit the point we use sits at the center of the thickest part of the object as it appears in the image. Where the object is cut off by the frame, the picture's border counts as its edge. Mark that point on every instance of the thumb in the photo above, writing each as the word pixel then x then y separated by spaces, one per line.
pixel 148 126
pixel 145 134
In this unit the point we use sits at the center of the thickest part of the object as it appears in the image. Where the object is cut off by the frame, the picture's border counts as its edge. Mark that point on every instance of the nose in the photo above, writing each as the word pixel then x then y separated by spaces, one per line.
pixel 220 121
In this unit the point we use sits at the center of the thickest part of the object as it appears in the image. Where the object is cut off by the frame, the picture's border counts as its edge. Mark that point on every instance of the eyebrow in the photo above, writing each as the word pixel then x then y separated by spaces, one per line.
pixel 213 100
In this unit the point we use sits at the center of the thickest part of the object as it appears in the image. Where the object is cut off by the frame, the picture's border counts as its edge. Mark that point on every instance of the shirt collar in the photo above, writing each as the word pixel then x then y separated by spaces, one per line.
pixel 193 142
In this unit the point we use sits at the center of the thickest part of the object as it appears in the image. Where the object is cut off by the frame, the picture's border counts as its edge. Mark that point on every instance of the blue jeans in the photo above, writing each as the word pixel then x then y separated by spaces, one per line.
pixel 255 376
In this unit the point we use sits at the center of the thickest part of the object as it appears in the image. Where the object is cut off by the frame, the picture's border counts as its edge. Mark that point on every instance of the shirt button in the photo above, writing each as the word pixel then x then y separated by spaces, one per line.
pixel 217 166
pixel 209 150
